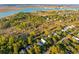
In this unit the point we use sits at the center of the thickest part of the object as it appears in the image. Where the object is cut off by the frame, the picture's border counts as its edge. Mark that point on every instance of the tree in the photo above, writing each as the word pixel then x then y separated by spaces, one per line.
pixel 11 40
pixel 2 40
pixel 6 24
pixel 53 50
pixel 15 48
pixel 36 49
pixel 29 41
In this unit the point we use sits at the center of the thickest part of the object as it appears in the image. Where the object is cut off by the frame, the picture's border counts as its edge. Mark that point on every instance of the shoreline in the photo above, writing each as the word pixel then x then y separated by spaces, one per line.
pixel 14 8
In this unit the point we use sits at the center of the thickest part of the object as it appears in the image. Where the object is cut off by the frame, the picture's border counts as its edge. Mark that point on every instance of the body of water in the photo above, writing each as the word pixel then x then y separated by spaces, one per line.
pixel 4 14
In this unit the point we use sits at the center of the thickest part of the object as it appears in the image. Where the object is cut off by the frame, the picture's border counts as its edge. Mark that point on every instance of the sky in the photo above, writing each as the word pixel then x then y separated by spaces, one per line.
pixel 39 1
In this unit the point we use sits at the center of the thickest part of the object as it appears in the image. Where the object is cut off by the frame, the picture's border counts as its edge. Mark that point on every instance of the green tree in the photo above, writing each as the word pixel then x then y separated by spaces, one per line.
pixel 11 40
pixel 15 48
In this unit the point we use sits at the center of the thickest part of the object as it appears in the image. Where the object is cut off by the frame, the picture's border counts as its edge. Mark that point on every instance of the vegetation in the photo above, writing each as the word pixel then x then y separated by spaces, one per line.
pixel 44 32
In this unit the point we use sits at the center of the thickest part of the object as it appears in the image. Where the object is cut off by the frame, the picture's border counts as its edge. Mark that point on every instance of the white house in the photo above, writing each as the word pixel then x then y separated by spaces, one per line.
pixel 48 35
pixel 75 38
pixel 43 41
pixel 68 27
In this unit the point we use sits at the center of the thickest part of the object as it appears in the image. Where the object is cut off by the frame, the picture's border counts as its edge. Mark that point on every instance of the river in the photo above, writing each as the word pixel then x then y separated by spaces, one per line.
pixel 4 14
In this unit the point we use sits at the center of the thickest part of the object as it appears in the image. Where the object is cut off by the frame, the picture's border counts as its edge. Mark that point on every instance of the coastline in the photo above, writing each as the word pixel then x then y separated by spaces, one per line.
pixel 14 8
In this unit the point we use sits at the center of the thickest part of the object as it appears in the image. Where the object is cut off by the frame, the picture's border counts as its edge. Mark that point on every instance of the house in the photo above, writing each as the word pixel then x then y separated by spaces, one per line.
pixel 40 43
pixel 48 35
pixel 68 27
pixel 22 51
pixel 47 18
pixel 43 41
pixel 54 33
pixel 27 47
pixel 75 38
